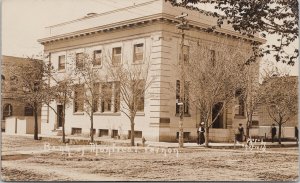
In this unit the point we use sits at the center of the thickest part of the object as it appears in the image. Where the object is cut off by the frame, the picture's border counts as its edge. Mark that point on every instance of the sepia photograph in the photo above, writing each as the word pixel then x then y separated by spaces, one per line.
pixel 149 90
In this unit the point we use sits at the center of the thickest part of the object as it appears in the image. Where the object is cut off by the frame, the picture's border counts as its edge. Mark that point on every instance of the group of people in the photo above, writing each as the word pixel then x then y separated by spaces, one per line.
pixel 239 134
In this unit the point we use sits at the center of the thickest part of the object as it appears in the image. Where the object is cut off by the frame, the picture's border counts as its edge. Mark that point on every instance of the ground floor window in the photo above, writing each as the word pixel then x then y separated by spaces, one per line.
pixel 76 131
pixel 137 134
pixel 114 133
pixel 103 132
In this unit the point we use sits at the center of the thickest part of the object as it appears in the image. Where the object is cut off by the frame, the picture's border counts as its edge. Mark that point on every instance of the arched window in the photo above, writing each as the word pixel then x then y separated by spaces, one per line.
pixel 28 111
pixel 7 110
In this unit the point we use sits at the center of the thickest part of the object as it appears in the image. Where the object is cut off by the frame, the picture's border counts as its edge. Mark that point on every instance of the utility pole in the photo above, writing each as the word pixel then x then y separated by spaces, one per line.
pixel 182 26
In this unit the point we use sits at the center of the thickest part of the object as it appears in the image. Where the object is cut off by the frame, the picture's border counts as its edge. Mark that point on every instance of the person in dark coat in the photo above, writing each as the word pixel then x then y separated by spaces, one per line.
pixel 201 131
pixel 240 134
pixel 273 132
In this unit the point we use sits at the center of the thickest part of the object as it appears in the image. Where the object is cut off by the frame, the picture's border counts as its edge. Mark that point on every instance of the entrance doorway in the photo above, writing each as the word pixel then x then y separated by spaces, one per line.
pixel 60 114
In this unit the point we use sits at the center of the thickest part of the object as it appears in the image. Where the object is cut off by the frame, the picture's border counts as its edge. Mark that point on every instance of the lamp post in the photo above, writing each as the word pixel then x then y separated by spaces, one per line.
pixel 182 26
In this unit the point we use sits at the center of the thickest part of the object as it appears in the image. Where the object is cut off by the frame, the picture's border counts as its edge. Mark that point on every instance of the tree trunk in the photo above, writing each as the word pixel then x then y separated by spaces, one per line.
pixel 63 124
pixel 279 133
pixel 132 131
pixel 249 120
pixel 206 135
pixel 92 127
pixel 180 135
pixel 36 125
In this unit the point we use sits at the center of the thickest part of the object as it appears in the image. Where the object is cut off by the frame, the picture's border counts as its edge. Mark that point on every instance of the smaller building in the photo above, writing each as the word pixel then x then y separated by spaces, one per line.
pixel 16 116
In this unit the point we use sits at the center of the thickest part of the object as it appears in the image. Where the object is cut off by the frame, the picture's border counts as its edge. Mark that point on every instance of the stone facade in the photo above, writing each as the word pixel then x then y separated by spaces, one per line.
pixel 152 24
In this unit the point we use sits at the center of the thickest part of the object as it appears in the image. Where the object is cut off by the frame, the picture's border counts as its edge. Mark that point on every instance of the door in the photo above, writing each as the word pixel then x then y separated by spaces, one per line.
pixel 60 114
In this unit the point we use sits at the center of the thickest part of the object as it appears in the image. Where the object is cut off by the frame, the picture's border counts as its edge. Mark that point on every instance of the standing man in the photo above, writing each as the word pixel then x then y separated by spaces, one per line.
pixel 273 132
pixel 201 131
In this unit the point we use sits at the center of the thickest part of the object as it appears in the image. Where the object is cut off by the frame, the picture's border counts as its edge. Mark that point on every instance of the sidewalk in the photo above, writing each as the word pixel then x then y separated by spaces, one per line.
pixel 78 140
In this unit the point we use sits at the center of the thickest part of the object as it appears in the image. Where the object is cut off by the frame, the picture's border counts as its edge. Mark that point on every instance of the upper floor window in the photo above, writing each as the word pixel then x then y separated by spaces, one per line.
pixel 138 53
pixel 241 104
pixel 213 57
pixel 79 60
pixel 186 50
pixel 117 96
pixel 13 83
pixel 97 58
pixel 107 96
pixel 96 97
pixel 79 98
pixel 116 55
pixel 62 62
pixel 140 95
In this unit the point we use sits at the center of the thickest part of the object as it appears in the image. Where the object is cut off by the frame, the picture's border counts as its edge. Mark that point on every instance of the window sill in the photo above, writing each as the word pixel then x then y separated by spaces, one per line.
pixel 140 114
pixel 107 113
pixel 78 113
pixel 97 67
pixel 239 116
pixel 137 62
pixel 184 115
pixel 61 71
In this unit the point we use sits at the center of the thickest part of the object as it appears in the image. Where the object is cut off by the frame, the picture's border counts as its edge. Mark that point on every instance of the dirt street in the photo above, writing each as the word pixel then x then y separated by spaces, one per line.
pixel 146 163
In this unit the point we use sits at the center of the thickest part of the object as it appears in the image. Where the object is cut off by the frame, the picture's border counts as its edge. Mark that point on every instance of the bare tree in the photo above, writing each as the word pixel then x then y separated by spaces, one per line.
pixel 31 86
pixel 213 74
pixel 87 83
pixel 281 97
pixel 133 85
pixel 249 94
pixel 61 90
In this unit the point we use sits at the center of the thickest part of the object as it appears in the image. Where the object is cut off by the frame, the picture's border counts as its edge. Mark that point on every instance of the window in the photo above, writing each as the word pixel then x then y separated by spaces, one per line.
pixel 61 62
pixel 241 104
pixel 78 98
pixel 185 98
pixel 117 96
pixel 116 57
pixel 114 133
pixel 140 95
pixel 185 51
pixel 138 53
pixel 186 105
pixel 28 111
pixel 103 132
pixel 96 97
pixel 13 83
pixel 213 57
pixel 97 58
pixel 79 60
pixel 76 131
pixel 7 110
pixel 106 100
pixel 137 134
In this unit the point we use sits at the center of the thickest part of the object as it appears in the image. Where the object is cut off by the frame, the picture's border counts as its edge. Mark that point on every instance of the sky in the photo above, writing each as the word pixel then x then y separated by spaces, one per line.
pixel 23 22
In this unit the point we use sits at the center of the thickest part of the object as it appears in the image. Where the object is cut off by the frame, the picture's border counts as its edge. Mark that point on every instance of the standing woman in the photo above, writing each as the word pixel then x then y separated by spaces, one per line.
pixel 201 133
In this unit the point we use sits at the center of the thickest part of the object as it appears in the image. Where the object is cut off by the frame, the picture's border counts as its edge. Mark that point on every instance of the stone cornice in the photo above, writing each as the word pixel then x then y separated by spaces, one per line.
pixel 162 17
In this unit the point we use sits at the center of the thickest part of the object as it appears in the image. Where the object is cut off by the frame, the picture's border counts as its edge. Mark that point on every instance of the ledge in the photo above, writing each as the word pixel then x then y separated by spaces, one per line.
pixel 239 117
pixel 140 114
pixel 184 115
pixel 78 113
pixel 107 114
